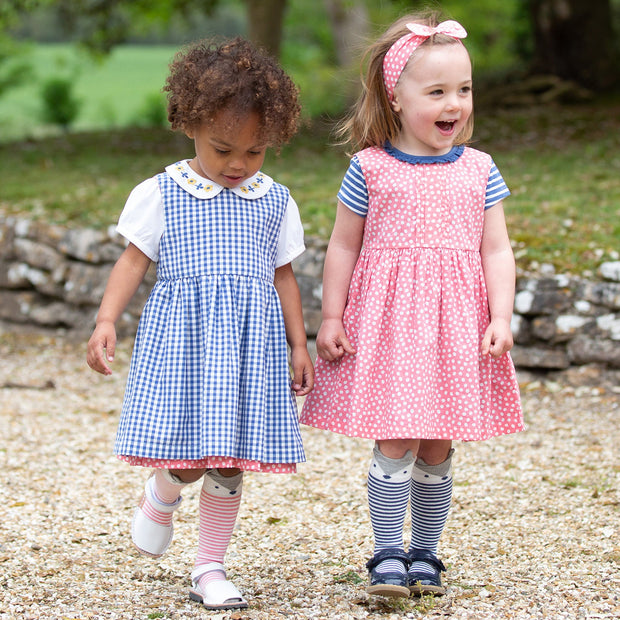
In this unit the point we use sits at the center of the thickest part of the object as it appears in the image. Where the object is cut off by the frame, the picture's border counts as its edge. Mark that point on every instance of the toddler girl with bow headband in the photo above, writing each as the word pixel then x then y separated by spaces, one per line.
pixel 418 291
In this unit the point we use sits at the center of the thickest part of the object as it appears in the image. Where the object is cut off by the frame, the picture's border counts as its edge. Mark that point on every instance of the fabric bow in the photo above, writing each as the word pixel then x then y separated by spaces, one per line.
pixel 449 27
pixel 397 56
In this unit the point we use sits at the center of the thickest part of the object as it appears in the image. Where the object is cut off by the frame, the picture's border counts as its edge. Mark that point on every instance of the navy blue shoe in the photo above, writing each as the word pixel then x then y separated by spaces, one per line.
pixel 392 583
pixel 425 583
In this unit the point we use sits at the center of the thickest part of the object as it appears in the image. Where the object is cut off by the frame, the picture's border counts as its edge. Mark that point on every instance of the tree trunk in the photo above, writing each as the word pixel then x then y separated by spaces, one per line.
pixel 265 18
pixel 350 26
pixel 574 40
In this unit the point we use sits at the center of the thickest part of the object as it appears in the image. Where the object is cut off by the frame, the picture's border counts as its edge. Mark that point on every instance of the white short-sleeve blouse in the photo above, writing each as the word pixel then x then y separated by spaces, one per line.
pixel 142 223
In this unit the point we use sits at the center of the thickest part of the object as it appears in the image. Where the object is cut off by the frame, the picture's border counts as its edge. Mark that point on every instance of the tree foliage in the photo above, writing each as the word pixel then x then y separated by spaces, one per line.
pixel 60 105
pixel 572 39
pixel 575 40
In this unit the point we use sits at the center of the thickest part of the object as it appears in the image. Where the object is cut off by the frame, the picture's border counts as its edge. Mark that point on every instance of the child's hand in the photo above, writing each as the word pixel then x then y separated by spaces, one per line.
pixel 103 339
pixel 303 371
pixel 332 342
pixel 497 339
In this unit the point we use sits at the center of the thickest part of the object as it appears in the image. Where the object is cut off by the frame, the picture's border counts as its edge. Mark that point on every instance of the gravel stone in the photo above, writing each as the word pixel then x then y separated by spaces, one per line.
pixel 533 532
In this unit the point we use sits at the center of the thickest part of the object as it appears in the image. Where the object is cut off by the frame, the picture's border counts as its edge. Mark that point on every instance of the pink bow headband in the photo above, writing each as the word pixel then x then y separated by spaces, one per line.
pixel 397 56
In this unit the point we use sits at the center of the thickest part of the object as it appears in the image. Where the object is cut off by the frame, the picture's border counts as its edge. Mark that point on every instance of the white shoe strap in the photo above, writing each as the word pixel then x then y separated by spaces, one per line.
pixel 199 571
pixel 150 494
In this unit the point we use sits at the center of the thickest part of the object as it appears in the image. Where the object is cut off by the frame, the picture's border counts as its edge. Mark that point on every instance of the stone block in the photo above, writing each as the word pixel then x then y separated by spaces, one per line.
pixel 85 284
pixel 37 254
pixel 7 236
pixel 603 294
pixel 540 357
pixel 84 244
pixel 585 350
pixel 610 270
pixel 16 306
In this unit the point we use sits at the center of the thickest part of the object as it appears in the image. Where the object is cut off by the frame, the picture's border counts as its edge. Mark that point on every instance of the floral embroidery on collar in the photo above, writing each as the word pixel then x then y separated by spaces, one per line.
pixel 181 172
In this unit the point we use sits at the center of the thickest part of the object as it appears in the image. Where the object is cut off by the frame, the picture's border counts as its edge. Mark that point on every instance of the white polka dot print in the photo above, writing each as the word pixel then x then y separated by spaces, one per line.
pixel 417 311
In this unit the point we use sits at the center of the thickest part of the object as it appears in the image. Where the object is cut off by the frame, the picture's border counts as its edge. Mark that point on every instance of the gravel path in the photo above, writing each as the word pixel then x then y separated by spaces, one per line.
pixel 534 531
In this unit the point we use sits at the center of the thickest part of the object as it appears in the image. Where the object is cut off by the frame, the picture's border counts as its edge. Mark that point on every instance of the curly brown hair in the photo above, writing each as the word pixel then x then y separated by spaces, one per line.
pixel 234 75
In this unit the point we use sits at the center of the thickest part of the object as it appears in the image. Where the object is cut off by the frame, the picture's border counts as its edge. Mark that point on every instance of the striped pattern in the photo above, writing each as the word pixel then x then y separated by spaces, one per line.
pixel 354 191
pixel 431 497
pixel 166 490
pixel 388 501
pixel 218 514
pixel 496 188
pixel 151 512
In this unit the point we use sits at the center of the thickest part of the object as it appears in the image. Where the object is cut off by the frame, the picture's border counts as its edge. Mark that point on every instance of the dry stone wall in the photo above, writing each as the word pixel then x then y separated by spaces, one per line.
pixel 53 276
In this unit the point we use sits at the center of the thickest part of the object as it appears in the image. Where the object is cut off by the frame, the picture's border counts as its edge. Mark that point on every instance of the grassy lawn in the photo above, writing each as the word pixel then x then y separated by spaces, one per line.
pixel 562 165
pixel 111 91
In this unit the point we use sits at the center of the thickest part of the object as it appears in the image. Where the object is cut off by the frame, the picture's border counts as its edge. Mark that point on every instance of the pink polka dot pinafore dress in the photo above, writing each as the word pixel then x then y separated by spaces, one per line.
pixel 416 313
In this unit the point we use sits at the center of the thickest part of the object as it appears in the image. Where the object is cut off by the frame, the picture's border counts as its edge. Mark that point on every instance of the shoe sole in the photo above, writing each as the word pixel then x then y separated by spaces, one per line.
pixel 147 553
pixel 384 589
pixel 422 590
pixel 196 596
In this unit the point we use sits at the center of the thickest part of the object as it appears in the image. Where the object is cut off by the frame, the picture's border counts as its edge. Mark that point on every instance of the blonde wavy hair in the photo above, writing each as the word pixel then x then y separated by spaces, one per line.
pixel 372 121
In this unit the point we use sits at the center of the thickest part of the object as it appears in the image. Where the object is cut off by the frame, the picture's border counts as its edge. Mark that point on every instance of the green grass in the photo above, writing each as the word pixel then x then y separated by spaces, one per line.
pixel 112 91
pixel 562 164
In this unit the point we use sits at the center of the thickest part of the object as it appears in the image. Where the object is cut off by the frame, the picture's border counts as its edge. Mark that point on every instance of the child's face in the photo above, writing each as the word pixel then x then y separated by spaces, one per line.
pixel 228 153
pixel 433 99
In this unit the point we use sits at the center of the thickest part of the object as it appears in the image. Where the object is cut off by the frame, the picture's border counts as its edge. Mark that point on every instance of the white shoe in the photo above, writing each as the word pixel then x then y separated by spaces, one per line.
pixel 150 537
pixel 217 594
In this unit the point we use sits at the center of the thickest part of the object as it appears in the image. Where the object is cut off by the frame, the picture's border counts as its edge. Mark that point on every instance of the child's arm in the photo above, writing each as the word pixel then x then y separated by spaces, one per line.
pixel 125 278
pixel 498 264
pixel 290 300
pixel 342 254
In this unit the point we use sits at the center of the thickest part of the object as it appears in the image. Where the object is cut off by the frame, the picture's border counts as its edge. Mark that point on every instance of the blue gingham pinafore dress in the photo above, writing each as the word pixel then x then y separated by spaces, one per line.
pixel 209 372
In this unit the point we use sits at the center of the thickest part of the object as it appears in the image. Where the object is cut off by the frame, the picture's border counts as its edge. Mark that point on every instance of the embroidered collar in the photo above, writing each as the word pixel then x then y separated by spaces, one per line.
pixel 452 155
pixel 200 187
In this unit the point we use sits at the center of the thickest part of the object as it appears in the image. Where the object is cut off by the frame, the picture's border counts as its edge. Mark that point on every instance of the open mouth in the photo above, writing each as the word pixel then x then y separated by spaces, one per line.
pixel 446 126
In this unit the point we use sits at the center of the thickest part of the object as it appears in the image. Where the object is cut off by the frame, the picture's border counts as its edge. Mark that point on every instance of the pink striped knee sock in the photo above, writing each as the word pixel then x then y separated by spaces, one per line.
pixel 167 490
pixel 219 505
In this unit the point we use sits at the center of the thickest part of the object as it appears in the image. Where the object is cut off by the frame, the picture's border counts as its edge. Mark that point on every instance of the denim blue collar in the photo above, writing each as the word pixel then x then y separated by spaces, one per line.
pixel 452 155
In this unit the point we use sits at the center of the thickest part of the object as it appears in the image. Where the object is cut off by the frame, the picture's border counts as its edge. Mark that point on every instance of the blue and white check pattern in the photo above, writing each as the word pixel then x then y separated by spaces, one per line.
pixel 209 374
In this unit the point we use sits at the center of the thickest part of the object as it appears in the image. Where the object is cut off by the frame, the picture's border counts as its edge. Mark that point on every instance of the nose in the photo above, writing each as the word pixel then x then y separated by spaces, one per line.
pixel 237 163
pixel 453 103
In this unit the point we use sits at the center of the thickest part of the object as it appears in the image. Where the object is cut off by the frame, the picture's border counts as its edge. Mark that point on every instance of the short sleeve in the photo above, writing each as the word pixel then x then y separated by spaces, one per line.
pixel 291 240
pixel 142 219
pixel 353 191
pixel 497 189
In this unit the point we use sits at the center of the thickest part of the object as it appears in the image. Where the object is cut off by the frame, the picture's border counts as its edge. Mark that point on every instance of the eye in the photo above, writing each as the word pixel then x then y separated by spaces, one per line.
pixel 466 90
pixel 436 93
pixel 221 151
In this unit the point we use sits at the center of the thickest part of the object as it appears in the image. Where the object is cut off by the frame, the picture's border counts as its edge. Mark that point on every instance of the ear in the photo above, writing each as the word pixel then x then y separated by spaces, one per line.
pixel 395 103
pixel 189 132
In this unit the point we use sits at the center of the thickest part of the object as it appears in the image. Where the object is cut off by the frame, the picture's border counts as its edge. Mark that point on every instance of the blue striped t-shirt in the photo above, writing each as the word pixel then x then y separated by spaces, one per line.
pixel 354 193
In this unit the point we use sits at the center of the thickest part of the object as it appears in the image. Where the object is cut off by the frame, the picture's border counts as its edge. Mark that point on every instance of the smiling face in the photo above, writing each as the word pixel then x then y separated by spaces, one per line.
pixel 433 99
pixel 228 150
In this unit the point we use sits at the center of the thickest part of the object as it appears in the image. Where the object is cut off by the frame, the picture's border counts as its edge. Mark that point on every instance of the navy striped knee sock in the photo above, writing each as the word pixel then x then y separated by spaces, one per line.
pixel 431 497
pixel 389 481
